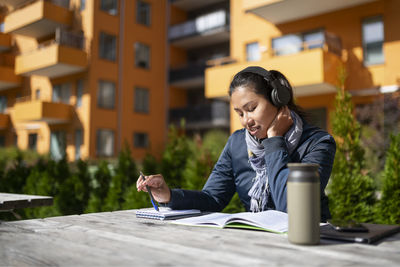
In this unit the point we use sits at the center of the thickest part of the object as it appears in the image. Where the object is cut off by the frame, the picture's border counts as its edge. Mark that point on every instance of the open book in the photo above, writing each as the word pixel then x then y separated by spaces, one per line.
pixel 164 213
pixel 270 220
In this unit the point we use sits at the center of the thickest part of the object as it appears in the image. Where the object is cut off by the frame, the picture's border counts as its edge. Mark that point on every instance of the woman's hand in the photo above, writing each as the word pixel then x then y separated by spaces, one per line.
pixel 158 187
pixel 281 124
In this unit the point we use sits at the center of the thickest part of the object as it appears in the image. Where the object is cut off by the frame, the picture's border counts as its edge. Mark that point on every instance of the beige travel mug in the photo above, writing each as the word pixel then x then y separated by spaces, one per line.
pixel 303 203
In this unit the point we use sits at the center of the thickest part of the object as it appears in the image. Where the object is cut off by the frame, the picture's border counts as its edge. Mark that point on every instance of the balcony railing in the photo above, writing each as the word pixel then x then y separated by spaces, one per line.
pixel 202 24
pixel 187 72
pixel 202 116
pixel 62 37
pixel 329 42
pixel 18 4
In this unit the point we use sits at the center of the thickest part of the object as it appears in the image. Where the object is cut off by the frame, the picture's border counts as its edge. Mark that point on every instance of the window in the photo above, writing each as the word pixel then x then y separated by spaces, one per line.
pixel 294 43
pixel 373 37
pixel 82 5
pixel 32 141
pixel 3 104
pixel 2 27
pixel 140 140
pixel 61 93
pixel 105 143
pixel 142 55
pixel 78 143
pixel 57 145
pixel 143 12
pixel 79 92
pixel 314 39
pixel 37 94
pixel 109 6
pixel 253 52
pixel 141 100
pixel 2 141
pixel 106 95
pixel 108 46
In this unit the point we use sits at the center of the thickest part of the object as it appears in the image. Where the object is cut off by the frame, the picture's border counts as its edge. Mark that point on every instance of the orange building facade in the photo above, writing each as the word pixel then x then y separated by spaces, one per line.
pixel 77 77
pixel 307 41
pixel 82 78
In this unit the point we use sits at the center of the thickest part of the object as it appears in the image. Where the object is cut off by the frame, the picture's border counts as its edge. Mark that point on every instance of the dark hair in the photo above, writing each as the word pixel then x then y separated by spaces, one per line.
pixel 262 86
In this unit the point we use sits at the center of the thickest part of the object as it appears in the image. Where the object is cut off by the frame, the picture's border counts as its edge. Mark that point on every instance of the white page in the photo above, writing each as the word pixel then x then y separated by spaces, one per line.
pixel 270 220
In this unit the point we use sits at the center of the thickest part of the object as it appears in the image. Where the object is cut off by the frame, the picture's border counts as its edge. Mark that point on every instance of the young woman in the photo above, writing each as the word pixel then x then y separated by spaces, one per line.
pixel 254 160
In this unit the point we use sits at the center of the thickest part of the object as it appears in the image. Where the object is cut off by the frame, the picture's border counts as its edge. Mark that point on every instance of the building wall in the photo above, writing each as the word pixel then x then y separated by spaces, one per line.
pixel 347 24
pixel 89 118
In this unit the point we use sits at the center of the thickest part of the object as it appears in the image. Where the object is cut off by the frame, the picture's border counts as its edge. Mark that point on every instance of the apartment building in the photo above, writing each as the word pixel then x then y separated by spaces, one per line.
pixel 84 77
pixel 199 37
pixel 308 40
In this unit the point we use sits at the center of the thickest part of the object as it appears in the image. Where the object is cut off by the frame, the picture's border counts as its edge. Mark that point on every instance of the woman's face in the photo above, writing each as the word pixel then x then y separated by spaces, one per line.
pixel 256 113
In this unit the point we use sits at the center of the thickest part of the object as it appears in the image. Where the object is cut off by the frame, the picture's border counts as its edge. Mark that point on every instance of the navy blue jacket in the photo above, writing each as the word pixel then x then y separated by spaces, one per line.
pixel 233 173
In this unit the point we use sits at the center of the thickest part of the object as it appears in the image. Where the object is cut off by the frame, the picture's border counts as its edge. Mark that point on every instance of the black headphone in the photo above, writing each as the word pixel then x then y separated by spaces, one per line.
pixel 280 95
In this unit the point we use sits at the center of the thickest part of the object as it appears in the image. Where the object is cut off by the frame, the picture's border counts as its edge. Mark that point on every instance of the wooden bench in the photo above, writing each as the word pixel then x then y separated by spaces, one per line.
pixel 18 201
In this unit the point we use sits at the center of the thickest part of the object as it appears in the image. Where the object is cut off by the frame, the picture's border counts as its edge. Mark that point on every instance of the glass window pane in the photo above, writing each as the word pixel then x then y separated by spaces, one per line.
pixel 109 6
pixel 61 93
pixel 78 143
pixel 57 145
pixel 141 100
pixel 32 141
pixel 142 55
pixel 3 104
pixel 106 95
pixel 253 52
pixel 373 38
pixel 79 92
pixel 140 140
pixel 108 46
pixel 314 39
pixel 105 143
pixel 288 44
pixel 143 13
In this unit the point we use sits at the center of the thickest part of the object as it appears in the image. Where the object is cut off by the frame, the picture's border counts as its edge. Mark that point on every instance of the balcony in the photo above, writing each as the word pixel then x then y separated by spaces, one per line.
pixel 281 11
pixel 189 5
pixel 42 111
pixel 190 76
pixel 62 56
pixel 5 42
pixel 310 72
pixel 205 116
pixel 205 30
pixel 4 121
pixel 8 79
pixel 38 19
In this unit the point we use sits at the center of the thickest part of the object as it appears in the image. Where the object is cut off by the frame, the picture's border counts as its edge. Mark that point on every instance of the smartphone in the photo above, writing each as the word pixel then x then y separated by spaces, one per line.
pixel 347 226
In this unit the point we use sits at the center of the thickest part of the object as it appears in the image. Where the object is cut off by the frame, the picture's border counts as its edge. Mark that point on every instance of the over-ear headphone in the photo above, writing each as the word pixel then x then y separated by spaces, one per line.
pixel 280 95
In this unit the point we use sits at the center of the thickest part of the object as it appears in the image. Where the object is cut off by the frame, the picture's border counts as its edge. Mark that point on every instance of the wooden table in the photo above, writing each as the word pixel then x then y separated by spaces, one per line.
pixel 120 239
pixel 18 201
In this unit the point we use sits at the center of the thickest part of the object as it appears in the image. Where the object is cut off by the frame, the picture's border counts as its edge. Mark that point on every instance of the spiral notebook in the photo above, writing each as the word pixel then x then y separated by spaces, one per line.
pixel 165 213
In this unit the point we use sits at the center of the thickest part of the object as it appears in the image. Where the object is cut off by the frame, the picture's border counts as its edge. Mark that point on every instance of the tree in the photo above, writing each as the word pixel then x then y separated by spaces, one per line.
pixel 174 157
pixel 351 189
pixel 126 174
pixel 99 187
pixel 378 119
pixel 388 209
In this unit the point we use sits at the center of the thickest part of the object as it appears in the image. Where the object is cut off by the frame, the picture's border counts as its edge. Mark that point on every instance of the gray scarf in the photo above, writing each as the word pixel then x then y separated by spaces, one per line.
pixel 260 190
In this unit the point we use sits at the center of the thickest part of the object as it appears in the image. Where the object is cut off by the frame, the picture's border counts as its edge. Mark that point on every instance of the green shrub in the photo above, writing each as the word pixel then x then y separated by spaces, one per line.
pixel 126 174
pixel 99 187
pixel 351 189
pixel 388 209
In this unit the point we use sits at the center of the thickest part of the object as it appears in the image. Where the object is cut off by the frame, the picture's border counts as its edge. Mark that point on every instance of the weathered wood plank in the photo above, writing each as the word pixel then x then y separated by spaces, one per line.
pixel 16 201
pixel 119 238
